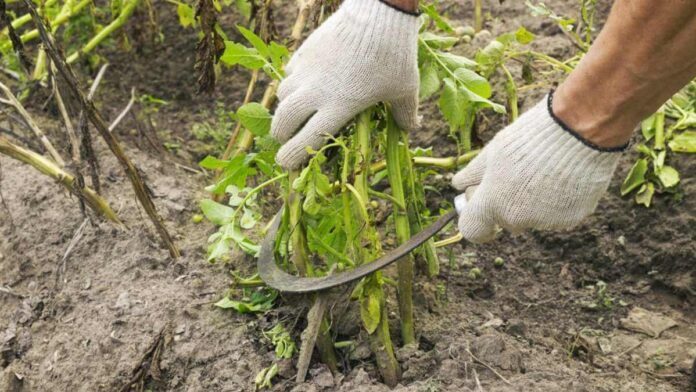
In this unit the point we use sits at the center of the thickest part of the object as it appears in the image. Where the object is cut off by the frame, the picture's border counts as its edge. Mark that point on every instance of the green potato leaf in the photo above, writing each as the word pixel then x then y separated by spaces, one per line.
pixel 684 142
pixel 256 118
pixel 438 41
pixel 238 54
pixel 215 212
pixel 473 82
pixel 635 177
pixel 454 61
pixel 645 194
pixel 452 103
pixel 429 81
pixel 668 176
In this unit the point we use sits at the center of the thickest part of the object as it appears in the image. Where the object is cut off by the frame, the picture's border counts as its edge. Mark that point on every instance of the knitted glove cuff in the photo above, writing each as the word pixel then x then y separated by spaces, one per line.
pixel 549 106
pixel 382 23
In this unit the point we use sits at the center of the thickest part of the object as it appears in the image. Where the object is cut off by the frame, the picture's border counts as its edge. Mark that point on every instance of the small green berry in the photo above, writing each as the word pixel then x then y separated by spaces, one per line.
pixel 474 273
pixel 197 218
pixel 498 262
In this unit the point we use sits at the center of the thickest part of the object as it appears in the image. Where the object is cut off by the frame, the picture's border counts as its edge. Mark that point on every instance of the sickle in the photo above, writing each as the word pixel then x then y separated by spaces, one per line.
pixel 275 277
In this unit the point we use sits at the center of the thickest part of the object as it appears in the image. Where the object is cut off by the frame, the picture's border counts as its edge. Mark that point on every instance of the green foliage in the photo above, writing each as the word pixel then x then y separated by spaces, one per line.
pixel 268 57
pixel 258 302
pixel 282 341
pixel 650 174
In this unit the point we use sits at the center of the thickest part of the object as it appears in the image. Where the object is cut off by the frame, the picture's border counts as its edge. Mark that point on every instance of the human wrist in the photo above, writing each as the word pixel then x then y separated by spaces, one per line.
pixel 601 115
pixel 407 6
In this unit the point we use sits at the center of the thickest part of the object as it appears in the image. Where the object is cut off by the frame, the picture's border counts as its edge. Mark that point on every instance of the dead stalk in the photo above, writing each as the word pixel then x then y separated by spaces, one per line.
pixel 14 102
pixel 97 120
pixel 49 168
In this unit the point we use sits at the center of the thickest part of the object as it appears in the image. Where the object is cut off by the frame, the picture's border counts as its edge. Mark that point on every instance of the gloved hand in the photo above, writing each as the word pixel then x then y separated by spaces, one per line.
pixel 365 53
pixel 535 173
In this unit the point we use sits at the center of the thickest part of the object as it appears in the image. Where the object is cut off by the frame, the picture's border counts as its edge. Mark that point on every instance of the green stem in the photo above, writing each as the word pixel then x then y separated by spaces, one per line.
pixel 126 12
pixel 300 258
pixel 403 231
pixel 478 16
pixel 415 205
pixel 445 163
pixel 256 190
pixel 380 339
pixel 660 129
pixel 63 16
pixel 511 89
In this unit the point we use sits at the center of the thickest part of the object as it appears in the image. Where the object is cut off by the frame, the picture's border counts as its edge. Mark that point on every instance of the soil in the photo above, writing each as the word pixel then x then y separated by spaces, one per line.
pixel 118 305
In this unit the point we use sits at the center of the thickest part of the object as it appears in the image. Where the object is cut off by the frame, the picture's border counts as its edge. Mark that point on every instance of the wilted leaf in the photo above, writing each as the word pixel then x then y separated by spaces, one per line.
pixel 370 312
pixel 645 194
pixel 635 177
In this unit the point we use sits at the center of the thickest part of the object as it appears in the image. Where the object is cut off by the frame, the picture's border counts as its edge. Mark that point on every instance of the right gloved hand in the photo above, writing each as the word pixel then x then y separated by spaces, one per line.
pixel 536 173
pixel 365 53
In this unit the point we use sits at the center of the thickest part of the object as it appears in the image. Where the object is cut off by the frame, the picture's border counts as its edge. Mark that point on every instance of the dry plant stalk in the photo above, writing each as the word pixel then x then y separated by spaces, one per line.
pixel 97 120
pixel 14 102
pixel 45 166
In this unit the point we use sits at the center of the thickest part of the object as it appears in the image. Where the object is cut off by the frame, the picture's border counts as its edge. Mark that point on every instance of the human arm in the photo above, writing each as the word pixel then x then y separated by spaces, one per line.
pixel 549 169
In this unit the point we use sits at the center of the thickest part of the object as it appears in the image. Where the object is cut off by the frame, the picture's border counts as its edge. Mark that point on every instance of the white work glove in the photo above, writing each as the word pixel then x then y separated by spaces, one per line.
pixel 365 53
pixel 536 173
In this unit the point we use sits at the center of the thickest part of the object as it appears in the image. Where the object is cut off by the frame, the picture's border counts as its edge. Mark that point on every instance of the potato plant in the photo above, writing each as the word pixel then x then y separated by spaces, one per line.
pixel 81 25
pixel 332 206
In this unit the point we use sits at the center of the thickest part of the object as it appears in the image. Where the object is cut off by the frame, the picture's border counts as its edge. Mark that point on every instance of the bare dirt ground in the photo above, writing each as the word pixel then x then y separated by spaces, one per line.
pixel 123 310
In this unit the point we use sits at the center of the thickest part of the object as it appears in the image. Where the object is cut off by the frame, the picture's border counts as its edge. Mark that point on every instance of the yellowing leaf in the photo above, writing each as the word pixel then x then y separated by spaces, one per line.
pixel 370 312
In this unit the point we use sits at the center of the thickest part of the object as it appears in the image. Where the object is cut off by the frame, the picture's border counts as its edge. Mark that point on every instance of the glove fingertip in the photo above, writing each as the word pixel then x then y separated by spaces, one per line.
pixel 474 227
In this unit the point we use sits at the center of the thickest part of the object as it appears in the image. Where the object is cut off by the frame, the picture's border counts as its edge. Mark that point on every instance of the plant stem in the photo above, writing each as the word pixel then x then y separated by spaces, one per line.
pixel 403 231
pixel 380 339
pixel 139 186
pixel 660 129
pixel 478 16
pixel 445 163
pixel 14 102
pixel 414 206
pixel 511 89
pixel 45 166
pixel 126 11
pixel 300 258
pixel 298 238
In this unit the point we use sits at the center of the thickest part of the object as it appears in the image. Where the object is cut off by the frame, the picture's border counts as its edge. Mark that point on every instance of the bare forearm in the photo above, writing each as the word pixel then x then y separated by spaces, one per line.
pixel 405 5
pixel 643 55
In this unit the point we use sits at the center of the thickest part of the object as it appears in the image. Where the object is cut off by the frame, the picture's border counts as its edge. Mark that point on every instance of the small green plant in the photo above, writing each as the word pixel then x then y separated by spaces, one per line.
pixel 651 173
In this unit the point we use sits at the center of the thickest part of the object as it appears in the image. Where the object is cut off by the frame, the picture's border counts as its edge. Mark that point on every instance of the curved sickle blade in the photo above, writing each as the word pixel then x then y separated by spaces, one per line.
pixel 275 277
